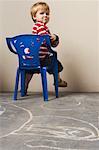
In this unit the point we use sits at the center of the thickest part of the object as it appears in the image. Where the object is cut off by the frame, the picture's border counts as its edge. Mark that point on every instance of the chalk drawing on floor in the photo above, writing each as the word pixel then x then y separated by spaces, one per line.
pixel 50 144
pixel 55 127
pixel 60 127
pixel 27 121
pixel 2 110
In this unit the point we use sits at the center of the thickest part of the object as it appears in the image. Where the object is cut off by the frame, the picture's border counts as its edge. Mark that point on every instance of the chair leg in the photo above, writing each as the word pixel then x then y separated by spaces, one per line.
pixel 22 83
pixel 44 83
pixel 16 84
pixel 54 64
pixel 56 85
pixel 56 79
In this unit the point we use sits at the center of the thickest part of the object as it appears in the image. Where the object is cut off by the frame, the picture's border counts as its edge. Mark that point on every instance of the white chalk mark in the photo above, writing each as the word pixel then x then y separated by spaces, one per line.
pixel 57 107
pixel 2 110
pixel 50 147
pixel 30 118
pixel 51 144
pixel 30 127
pixel 94 135
pixel 60 131
pixel 62 134
pixel 79 103
pixel 96 130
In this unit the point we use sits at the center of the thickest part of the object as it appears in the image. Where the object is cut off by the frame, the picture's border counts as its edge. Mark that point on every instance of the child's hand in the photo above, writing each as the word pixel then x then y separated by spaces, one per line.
pixel 53 37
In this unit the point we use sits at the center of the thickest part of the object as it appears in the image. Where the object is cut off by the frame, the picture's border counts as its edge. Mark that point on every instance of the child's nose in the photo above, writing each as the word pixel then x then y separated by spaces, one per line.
pixel 45 14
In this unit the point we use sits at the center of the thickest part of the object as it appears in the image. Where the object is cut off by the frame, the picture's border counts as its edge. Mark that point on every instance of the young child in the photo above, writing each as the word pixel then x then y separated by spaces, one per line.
pixel 40 13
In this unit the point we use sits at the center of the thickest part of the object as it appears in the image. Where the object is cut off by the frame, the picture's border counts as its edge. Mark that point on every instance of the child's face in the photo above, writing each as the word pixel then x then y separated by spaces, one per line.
pixel 42 16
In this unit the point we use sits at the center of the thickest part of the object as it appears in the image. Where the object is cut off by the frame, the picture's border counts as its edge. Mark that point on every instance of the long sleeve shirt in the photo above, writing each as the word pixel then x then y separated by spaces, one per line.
pixel 41 29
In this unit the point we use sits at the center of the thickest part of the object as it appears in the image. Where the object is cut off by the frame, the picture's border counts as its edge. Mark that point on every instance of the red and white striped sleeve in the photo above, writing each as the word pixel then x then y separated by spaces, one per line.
pixel 34 29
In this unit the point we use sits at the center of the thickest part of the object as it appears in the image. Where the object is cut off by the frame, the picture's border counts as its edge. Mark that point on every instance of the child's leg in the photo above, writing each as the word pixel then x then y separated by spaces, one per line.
pixel 61 83
pixel 28 78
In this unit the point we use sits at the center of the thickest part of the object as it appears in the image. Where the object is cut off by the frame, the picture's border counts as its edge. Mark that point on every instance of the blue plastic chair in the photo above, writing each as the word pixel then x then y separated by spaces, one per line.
pixel 27 48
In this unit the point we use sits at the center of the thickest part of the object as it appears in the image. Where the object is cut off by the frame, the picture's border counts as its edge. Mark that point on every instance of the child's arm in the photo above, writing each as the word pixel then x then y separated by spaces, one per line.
pixel 54 40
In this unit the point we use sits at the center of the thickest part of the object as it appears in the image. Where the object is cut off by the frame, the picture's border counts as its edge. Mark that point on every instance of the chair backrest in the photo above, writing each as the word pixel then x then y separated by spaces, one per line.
pixel 27 48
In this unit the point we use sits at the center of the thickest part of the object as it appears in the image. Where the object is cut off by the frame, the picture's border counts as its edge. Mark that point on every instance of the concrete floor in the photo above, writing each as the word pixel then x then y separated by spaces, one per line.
pixel 70 122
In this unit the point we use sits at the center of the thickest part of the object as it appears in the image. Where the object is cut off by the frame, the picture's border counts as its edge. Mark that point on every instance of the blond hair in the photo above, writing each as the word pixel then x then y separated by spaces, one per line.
pixel 37 6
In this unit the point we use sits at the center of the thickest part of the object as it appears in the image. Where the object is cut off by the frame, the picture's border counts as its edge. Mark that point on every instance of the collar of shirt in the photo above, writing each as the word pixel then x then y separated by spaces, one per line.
pixel 41 23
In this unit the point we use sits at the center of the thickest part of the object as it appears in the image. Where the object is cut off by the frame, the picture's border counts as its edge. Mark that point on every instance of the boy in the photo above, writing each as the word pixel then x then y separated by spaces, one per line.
pixel 40 14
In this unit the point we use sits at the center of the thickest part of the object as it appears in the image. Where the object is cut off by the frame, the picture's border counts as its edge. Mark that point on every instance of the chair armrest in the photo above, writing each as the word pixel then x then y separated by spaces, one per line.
pixel 10 46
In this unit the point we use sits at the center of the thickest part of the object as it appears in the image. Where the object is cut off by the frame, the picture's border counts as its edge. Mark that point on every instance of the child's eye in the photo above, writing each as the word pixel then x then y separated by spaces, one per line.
pixel 47 13
pixel 42 13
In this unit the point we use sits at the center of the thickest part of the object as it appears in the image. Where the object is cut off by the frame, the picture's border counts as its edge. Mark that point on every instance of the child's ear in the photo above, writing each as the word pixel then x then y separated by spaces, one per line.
pixel 34 17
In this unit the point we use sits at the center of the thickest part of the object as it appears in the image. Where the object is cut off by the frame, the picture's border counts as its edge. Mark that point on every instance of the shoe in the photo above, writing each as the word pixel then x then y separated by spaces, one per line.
pixel 62 83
